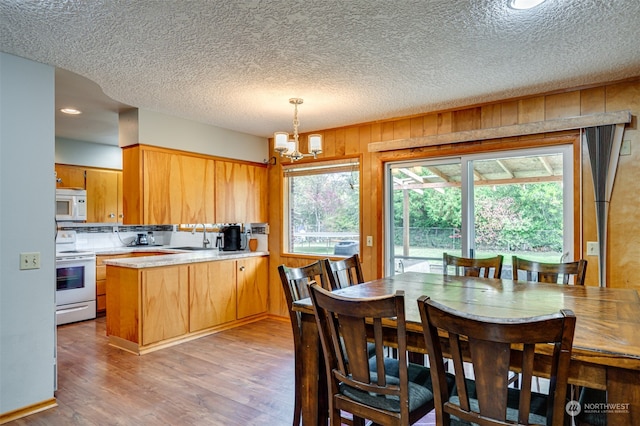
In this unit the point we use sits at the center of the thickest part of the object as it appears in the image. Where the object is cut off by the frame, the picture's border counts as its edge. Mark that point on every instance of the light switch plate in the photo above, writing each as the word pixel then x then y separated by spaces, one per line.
pixel 369 241
pixel 625 148
pixel 30 260
pixel 592 248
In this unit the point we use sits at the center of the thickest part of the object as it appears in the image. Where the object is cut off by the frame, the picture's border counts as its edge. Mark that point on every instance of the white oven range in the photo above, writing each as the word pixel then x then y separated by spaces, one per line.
pixel 75 280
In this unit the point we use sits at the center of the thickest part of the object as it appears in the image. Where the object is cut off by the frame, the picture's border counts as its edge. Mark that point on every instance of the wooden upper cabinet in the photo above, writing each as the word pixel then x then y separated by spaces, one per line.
pixel 69 176
pixel 162 187
pixel 240 193
pixel 103 199
pixel 103 186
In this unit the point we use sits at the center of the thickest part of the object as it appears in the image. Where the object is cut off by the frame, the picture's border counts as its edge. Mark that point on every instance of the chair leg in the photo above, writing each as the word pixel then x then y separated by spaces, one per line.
pixel 297 405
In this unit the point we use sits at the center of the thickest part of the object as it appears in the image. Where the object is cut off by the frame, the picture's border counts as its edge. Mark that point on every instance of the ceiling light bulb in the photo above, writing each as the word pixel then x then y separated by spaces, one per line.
pixel 524 4
pixel 71 111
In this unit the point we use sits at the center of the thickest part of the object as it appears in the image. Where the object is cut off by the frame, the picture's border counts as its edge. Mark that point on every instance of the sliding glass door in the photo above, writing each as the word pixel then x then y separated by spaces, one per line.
pixel 509 203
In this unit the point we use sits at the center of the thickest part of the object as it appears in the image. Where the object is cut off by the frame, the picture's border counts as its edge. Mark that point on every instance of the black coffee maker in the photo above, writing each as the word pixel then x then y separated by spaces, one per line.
pixel 232 238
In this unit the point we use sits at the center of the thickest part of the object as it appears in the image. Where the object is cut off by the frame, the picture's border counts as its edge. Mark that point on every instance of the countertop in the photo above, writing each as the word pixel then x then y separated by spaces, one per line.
pixel 174 256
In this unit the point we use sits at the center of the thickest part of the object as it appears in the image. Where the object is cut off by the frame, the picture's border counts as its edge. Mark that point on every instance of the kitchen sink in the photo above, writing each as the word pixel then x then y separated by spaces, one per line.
pixel 194 248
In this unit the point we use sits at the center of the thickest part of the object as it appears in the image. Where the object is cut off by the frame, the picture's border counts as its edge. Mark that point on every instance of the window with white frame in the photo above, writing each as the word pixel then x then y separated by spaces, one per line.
pixel 322 208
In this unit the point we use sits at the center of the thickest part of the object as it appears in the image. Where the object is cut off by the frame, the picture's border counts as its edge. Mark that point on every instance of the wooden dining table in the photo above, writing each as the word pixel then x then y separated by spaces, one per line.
pixel 606 345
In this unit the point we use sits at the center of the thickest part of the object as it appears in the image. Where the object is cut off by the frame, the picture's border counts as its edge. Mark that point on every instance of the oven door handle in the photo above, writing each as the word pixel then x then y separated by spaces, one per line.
pixel 68 310
pixel 66 261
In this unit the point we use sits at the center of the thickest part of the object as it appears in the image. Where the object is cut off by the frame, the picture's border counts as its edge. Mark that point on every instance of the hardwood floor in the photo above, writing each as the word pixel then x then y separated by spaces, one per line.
pixel 242 376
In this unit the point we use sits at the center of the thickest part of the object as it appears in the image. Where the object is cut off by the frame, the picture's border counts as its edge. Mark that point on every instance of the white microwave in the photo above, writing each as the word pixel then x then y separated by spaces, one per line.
pixel 71 204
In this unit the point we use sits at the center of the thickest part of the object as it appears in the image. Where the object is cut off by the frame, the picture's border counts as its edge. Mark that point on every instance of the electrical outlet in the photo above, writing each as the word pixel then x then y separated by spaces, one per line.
pixel 625 148
pixel 369 241
pixel 592 248
pixel 30 260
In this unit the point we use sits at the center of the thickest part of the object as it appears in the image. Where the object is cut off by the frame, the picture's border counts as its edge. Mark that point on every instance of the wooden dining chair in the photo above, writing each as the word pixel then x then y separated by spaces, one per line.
pixel 559 273
pixel 383 390
pixel 295 285
pixel 345 272
pixel 481 394
pixel 473 267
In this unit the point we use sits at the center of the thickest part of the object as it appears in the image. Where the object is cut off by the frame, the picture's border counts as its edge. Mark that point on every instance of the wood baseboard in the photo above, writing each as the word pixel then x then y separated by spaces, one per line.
pixel 28 410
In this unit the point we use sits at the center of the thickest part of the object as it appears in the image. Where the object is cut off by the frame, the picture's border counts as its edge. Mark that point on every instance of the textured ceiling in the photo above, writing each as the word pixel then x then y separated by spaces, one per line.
pixel 235 64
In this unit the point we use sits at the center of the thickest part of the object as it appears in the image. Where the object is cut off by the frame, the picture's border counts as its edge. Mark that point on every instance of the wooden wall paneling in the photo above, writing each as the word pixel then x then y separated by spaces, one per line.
pixel 466 119
pixel 531 110
pixel 589 231
pixel 376 132
pixel 562 105
pixel 402 128
pixel 417 127
pixel 275 190
pixel 445 122
pixel 624 209
pixel 369 203
pixel 509 113
pixel 329 144
pixel 430 125
pixel 490 116
pixel 579 248
pixel 386 131
pixel 340 142
pixel 364 137
pixel 352 141
pixel 375 216
pixel 592 101
pixel 623 96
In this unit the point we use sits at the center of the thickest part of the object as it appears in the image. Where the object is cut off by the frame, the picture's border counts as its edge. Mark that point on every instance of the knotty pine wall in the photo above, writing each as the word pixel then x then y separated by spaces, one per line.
pixel 352 141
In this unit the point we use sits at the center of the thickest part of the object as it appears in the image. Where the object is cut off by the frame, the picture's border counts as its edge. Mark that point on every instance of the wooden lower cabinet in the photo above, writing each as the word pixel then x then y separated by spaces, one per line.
pixel 164 303
pixel 252 286
pixel 101 275
pixel 151 308
pixel 212 294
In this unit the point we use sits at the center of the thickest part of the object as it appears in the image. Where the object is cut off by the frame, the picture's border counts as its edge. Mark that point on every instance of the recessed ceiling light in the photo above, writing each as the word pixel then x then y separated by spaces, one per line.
pixel 524 4
pixel 71 111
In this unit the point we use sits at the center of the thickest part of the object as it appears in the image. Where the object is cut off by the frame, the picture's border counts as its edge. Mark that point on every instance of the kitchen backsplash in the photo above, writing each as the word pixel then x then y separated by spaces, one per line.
pixel 103 237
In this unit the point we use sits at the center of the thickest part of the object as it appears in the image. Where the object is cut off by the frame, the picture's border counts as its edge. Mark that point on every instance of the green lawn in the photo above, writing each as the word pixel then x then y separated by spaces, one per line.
pixel 324 249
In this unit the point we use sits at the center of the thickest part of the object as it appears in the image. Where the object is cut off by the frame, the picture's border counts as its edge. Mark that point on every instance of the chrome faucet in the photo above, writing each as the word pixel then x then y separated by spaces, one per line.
pixel 205 241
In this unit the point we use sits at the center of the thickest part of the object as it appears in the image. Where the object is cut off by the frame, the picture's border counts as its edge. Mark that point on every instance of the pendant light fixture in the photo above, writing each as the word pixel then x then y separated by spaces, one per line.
pixel 290 148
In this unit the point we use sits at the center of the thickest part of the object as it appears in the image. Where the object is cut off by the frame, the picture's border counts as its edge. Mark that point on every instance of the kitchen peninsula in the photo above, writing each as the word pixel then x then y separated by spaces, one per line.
pixel 168 298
